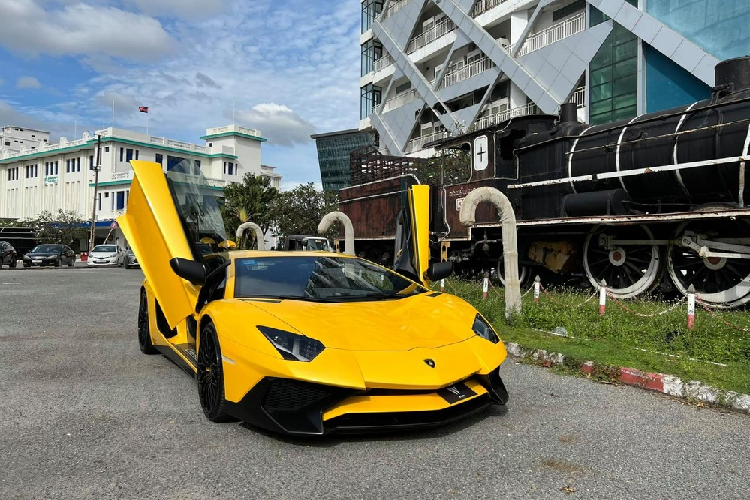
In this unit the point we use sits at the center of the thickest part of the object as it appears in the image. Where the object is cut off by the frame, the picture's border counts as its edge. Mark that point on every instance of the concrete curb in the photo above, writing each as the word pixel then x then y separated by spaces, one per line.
pixel 658 382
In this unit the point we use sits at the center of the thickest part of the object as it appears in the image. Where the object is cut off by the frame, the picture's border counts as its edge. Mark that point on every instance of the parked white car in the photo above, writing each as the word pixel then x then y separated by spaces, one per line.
pixel 106 255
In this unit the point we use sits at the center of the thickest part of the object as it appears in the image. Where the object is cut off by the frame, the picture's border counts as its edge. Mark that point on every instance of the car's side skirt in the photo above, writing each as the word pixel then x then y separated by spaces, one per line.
pixel 182 355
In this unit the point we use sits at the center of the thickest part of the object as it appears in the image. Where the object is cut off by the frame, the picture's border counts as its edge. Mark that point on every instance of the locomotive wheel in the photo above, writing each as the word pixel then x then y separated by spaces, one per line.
pixel 523 272
pixel 628 269
pixel 719 282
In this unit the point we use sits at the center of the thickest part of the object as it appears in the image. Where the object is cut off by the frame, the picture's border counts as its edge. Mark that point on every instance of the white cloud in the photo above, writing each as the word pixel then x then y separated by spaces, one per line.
pixel 80 29
pixel 187 9
pixel 28 82
pixel 279 124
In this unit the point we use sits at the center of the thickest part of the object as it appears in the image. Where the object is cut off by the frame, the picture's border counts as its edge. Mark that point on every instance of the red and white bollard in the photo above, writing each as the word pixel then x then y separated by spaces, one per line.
pixel 442 285
pixel 602 297
pixel 691 307
pixel 485 286
pixel 537 287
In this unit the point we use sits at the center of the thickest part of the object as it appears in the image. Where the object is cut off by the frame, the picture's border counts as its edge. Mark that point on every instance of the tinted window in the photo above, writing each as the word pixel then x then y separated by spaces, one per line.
pixel 47 249
pixel 319 278
pixel 105 248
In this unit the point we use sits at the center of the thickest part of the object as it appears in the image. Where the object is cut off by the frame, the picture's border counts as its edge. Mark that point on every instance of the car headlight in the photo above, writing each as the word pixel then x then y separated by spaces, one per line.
pixel 292 346
pixel 484 330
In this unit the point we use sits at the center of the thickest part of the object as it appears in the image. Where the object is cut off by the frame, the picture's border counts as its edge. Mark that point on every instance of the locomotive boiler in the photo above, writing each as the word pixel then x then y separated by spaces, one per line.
pixel 656 200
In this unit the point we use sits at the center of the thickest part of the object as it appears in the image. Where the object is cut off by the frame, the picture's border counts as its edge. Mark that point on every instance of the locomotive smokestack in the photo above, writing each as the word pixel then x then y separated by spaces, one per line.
pixel 568 112
pixel 733 74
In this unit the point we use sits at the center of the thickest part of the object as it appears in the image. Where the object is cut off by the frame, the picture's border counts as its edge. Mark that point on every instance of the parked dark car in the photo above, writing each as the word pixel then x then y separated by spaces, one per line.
pixel 8 254
pixel 50 255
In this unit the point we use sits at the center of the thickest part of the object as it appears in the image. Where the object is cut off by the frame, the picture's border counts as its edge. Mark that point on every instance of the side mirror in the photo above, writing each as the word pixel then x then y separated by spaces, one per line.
pixel 439 270
pixel 189 270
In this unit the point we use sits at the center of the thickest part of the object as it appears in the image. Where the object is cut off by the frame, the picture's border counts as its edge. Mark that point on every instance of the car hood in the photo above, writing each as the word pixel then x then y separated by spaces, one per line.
pixel 425 320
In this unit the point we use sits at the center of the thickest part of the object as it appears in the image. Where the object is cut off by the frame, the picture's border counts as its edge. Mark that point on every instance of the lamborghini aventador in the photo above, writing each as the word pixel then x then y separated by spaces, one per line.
pixel 304 343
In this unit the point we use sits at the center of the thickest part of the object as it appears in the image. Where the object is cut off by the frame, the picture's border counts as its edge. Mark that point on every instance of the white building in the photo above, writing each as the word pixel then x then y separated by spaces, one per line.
pixel 61 176
pixel 15 138
pixel 433 68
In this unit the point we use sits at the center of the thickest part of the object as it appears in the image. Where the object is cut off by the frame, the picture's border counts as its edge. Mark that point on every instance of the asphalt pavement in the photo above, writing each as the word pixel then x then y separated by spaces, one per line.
pixel 86 415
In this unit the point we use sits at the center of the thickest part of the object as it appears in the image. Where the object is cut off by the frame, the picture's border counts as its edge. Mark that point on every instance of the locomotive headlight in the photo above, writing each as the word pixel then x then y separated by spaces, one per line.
pixel 292 346
pixel 484 330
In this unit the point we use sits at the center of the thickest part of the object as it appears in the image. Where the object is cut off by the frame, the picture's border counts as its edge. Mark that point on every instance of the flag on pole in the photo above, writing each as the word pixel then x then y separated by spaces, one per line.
pixel 143 109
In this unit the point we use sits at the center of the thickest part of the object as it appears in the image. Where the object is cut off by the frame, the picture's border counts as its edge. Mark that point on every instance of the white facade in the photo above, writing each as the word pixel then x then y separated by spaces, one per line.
pixel 16 138
pixel 434 68
pixel 61 176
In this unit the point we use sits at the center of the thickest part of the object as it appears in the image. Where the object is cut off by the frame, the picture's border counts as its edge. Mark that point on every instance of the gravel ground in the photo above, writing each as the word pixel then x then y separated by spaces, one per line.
pixel 86 415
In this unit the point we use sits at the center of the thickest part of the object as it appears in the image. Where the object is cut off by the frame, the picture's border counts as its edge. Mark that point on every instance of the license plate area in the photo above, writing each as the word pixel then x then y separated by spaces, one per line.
pixel 456 392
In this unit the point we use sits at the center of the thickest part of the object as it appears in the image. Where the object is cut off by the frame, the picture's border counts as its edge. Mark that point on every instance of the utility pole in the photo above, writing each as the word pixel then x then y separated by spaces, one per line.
pixel 97 167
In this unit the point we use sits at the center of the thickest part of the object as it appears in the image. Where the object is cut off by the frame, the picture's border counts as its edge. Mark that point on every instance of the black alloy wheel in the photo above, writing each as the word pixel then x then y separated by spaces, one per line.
pixel 13 263
pixel 144 329
pixel 210 376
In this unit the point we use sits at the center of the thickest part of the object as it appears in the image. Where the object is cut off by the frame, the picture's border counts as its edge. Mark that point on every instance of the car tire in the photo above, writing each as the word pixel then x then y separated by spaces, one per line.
pixel 57 263
pixel 210 376
pixel 144 327
pixel 72 262
pixel 26 265
pixel 13 263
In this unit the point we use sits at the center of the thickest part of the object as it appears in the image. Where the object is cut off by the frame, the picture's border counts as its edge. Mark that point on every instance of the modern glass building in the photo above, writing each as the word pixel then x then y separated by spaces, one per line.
pixel 334 150
pixel 434 68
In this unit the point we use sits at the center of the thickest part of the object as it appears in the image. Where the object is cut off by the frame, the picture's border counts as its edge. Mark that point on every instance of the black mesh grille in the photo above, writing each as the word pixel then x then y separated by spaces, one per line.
pixel 295 395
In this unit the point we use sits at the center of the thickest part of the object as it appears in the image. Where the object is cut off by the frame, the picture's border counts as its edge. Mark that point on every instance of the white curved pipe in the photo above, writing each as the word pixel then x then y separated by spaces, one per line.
pixel 510 244
pixel 341 217
pixel 255 227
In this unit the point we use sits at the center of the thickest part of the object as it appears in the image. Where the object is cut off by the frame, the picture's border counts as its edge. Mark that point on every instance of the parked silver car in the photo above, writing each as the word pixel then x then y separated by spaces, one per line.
pixel 131 260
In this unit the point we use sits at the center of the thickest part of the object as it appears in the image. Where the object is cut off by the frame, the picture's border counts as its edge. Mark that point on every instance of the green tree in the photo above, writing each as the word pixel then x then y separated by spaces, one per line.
pixel 65 227
pixel 300 210
pixel 249 200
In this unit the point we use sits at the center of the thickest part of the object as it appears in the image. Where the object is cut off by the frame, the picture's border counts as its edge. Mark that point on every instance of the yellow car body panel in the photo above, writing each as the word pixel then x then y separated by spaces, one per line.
pixel 154 232
pixel 419 401
pixel 419 203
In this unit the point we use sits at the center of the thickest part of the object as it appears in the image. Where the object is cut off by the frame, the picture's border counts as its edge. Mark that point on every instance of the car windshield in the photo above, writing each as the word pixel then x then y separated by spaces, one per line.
pixel 316 278
pixel 46 249
pixel 317 244
pixel 105 248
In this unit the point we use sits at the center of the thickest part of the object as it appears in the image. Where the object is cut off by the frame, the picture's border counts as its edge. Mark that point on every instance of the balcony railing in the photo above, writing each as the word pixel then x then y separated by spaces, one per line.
pixel 554 33
pixel 393 7
pixel 419 142
pixel 442 28
pixel 494 119
pixel 466 72
pixel 399 100
pixel 383 62
pixel 483 6
pixel 579 97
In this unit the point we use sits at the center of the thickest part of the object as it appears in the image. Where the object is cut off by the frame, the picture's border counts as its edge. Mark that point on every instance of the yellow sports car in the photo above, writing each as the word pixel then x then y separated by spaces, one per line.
pixel 304 343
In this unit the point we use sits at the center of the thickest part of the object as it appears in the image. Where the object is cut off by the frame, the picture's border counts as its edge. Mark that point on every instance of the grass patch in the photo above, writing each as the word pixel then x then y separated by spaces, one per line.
pixel 660 343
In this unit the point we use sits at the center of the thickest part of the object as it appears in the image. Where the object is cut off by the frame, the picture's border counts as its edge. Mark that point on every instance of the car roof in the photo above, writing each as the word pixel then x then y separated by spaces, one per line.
pixel 244 254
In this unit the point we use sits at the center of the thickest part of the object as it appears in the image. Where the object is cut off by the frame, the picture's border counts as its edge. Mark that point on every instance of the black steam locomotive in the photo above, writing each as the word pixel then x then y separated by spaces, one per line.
pixel 659 200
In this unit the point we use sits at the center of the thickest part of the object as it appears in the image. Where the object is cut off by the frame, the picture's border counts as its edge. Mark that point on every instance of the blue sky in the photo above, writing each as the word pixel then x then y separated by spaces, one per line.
pixel 287 67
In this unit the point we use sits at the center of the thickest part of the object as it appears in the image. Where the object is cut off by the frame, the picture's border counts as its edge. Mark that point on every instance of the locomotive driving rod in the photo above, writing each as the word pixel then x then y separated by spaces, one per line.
pixel 467 215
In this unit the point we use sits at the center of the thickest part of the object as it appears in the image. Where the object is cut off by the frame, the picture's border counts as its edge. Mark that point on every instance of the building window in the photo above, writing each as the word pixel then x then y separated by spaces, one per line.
pixel 91 162
pixel 369 99
pixel 120 202
pixel 99 201
pixel 128 154
pixel 122 153
pixel 173 162
pixel 36 170
pixel 78 164
pixel 370 10
pixel 371 51
pixel 57 168
pixel 106 149
pixel 225 168
pixel 136 154
pixel 159 158
pixel 198 164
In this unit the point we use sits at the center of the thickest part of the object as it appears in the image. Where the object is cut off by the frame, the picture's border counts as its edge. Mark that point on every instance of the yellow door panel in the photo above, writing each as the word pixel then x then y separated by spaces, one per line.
pixel 419 204
pixel 154 232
